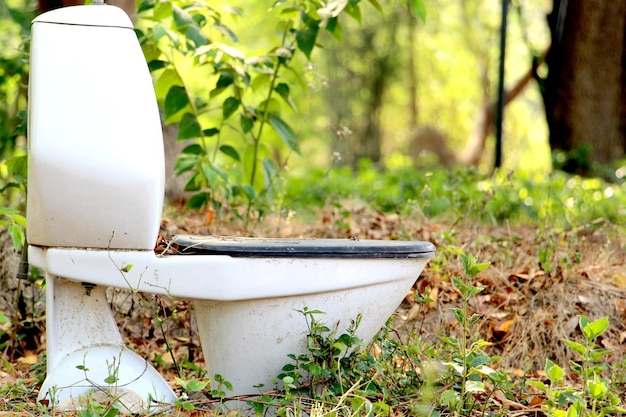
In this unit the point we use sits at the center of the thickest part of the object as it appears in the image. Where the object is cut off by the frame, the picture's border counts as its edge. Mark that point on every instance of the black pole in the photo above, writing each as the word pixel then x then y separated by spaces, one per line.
pixel 500 108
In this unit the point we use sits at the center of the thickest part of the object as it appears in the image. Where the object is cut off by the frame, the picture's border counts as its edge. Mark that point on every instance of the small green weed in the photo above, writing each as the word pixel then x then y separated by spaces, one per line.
pixel 594 398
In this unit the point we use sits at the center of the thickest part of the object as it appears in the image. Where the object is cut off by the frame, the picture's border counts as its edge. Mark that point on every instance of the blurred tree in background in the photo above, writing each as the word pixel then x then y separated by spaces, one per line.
pixel 585 89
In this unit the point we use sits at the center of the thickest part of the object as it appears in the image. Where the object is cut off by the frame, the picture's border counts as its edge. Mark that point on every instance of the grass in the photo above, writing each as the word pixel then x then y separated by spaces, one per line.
pixel 556 199
pixel 537 332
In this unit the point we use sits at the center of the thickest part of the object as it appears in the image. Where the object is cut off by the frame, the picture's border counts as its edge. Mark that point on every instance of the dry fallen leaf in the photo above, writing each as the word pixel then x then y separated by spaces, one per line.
pixel 499 396
pixel 505 326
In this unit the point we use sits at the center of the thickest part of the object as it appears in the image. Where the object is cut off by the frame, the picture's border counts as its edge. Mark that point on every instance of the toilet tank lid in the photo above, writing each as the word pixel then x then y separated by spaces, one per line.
pixel 301 248
pixel 92 15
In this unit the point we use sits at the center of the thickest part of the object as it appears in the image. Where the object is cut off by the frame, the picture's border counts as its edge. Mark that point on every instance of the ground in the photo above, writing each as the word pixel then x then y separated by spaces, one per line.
pixel 538 282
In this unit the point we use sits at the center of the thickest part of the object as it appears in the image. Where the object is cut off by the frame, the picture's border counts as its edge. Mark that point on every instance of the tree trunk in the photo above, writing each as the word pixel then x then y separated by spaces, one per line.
pixel 585 94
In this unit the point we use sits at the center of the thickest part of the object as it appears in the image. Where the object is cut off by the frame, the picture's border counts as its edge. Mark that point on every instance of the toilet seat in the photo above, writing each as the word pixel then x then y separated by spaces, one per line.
pixel 300 248
pixel 238 268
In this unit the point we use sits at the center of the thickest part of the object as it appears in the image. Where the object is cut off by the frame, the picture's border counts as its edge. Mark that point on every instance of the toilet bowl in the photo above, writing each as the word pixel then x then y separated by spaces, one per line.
pixel 96 185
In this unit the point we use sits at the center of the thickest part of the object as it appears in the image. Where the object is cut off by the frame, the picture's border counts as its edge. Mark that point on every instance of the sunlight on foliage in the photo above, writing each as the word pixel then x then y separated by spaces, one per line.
pixel 556 199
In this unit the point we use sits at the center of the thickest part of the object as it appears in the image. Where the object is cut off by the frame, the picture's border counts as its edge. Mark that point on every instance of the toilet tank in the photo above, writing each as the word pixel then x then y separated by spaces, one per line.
pixel 96 165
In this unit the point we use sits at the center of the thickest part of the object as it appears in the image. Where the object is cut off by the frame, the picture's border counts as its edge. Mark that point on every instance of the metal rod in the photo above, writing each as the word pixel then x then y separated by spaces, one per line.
pixel 501 72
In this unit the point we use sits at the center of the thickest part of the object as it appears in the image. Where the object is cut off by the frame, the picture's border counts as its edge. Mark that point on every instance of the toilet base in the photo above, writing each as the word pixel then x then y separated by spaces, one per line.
pixel 85 353
pixel 247 342
pixel 111 375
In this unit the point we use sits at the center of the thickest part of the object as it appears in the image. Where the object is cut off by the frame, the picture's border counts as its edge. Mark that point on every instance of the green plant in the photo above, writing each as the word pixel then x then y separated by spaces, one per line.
pixel 228 125
pixel 469 360
pixel 10 217
pixel 191 388
pixel 236 118
pixel 594 398
pixel 341 376
pixel 332 360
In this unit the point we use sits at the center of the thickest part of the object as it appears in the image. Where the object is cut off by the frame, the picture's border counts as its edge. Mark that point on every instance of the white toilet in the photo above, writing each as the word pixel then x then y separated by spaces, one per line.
pixel 95 196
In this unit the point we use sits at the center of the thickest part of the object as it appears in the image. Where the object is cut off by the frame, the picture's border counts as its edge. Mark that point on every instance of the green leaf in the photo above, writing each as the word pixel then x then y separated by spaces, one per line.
pixel 249 192
pixel 354 11
pixel 452 341
pixel 595 328
pixel 4 319
pixel 479 344
pixel 576 367
pixel 459 313
pixel 595 354
pixel 209 174
pixel 176 100
pixel 463 289
pixel 196 386
pixel 194 33
pixel 285 132
pixel 419 8
pixel 597 388
pixel 156 64
pixel 305 40
pixel 112 412
pixel 474 318
pixel 8 210
pixel 198 200
pixel 159 32
pixel 539 385
pixel 162 11
pixel 111 379
pixel 554 371
pixel 19 219
pixel 573 410
pixel 246 123
pixel 334 27
pixel 474 386
pixel 289 13
pixel 230 51
pixel 450 398
pixel 576 346
pixel 376 5
pixel 225 30
pixel 193 149
pixel 261 81
pixel 270 169
pixel 479 360
pixel 283 90
pixel 18 168
pixel 230 105
pixel 230 151
pixel 210 132
pixel 188 127
pixel 145 5
pixel 182 19
pixel 165 81
pixel 194 183
pixel 226 78
pixel 186 405
pixel 185 163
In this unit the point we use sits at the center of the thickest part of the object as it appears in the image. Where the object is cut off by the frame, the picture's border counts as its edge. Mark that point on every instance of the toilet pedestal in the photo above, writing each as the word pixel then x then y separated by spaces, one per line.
pixel 85 353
